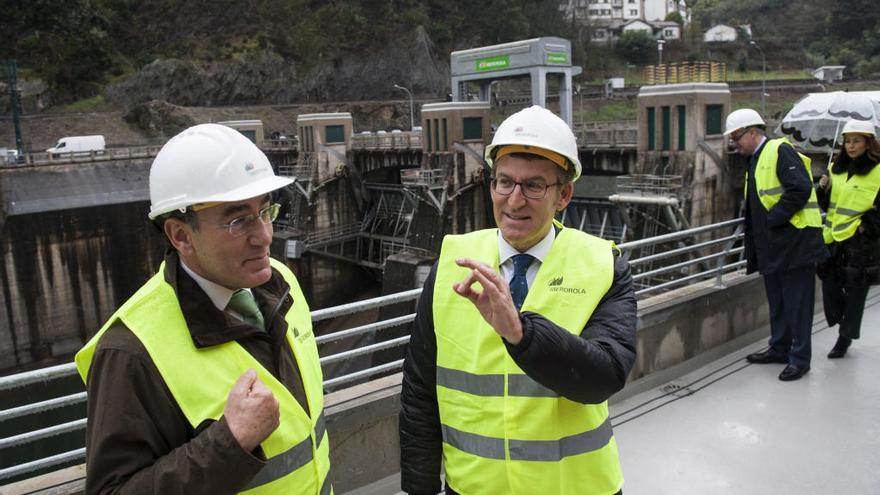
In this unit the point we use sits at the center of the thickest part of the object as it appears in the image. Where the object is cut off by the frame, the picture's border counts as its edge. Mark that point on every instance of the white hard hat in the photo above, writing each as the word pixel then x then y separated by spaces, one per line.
pixel 536 127
pixel 742 118
pixel 209 163
pixel 859 127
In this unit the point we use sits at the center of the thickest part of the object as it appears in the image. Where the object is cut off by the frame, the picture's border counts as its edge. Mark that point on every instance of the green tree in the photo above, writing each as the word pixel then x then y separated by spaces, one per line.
pixel 675 17
pixel 636 46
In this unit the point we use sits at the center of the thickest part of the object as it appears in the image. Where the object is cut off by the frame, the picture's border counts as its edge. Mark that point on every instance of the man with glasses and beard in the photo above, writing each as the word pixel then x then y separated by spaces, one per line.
pixel 521 335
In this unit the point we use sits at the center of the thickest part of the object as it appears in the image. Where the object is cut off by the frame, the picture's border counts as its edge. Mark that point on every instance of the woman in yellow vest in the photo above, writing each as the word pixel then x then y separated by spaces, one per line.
pixel 851 231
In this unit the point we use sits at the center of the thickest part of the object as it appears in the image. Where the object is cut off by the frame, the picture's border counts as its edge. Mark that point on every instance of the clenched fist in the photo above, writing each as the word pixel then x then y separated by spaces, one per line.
pixel 251 411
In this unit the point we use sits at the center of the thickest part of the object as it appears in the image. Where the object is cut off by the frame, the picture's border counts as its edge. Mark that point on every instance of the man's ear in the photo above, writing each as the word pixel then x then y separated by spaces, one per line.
pixel 179 233
pixel 565 194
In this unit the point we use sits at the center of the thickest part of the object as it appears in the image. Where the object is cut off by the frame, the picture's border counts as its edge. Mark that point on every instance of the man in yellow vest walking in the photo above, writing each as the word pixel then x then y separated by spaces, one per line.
pixel 521 335
pixel 207 379
pixel 783 238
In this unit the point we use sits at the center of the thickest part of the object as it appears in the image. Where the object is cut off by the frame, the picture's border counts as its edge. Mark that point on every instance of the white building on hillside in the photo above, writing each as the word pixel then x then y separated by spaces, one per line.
pixel 608 19
pixel 585 11
pixel 609 31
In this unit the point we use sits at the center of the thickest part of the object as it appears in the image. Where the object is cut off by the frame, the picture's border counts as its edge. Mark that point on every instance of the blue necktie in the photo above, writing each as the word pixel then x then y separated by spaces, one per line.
pixel 519 286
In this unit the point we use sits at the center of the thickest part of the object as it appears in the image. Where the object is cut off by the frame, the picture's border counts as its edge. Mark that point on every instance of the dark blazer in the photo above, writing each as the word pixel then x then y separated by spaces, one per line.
pixel 772 243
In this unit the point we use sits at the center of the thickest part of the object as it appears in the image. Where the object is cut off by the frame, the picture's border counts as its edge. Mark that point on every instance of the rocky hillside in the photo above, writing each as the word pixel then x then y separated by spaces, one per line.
pixel 264 77
pixel 229 52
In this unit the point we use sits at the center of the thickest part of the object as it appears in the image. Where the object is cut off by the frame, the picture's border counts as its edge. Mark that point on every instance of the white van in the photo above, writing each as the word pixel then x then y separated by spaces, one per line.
pixel 78 145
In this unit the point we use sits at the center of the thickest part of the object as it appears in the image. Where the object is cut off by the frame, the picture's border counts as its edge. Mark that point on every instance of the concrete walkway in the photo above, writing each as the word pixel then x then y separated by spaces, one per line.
pixel 719 425
pixel 742 431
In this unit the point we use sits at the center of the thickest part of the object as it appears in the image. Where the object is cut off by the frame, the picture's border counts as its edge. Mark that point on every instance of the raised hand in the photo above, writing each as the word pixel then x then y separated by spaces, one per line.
pixel 251 411
pixel 494 302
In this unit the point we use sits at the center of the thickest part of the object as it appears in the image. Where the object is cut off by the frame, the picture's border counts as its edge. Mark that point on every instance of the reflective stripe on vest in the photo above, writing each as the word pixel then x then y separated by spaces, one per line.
pixel 769 189
pixel 297 451
pixel 529 450
pixel 851 197
pixel 502 431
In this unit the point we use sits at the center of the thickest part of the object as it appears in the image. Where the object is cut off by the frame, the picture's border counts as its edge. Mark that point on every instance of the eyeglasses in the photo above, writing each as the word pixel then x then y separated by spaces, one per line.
pixel 239 226
pixel 736 139
pixel 532 189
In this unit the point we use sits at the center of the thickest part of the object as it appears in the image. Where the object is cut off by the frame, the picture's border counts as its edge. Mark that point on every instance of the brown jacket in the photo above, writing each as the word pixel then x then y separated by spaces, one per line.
pixel 138 440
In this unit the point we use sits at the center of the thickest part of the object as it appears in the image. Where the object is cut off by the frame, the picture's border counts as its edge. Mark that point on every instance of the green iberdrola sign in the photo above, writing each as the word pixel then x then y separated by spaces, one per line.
pixel 557 58
pixel 492 63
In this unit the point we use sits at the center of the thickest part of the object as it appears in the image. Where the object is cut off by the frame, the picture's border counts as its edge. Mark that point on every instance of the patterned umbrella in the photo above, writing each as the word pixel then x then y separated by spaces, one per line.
pixel 814 122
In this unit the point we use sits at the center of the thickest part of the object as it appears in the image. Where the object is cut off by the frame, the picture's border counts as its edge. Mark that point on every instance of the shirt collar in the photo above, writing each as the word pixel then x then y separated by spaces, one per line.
pixel 539 250
pixel 760 145
pixel 218 294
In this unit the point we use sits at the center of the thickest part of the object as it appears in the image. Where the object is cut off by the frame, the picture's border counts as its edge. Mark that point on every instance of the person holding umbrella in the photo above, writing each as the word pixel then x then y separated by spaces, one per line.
pixel 851 231
pixel 783 238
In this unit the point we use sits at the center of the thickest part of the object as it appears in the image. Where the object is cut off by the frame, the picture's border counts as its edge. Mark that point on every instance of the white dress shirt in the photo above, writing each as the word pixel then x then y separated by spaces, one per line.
pixel 506 252
pixel 218 294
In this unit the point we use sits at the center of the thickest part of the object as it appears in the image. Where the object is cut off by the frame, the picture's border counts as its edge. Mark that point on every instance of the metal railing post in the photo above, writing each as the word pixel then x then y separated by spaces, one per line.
pixel 737 234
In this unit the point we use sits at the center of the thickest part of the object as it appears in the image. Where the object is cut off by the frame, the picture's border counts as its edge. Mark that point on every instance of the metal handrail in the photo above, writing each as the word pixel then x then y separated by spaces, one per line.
pixel 363 329
pixel 46 405
pixel 728 243
pixel 30 436
pixel 681 234
pixel 685 264
pixel 43 463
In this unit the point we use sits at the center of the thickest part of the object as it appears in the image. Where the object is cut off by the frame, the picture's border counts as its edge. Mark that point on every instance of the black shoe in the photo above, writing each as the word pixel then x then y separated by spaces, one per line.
pixel 792 372
pixel 766 357
pixel 839 349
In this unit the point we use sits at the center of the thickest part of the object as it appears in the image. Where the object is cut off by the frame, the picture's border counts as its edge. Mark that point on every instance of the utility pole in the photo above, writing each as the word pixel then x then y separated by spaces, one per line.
pixel 12 81
pixel 763 74
pixel 411 113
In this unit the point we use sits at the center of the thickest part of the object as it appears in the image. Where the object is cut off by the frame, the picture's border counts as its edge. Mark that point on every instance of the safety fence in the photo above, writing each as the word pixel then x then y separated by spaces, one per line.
pixel 359 353
pixel 121 154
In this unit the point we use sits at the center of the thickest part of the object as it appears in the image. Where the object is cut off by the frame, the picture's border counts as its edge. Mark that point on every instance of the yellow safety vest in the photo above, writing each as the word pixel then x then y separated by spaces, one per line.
pixel 850 199
pixel 297 451
pixel 770 189
pixel 502 431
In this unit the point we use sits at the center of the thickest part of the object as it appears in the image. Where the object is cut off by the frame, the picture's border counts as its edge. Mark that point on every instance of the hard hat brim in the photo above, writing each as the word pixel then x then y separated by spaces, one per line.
pixel 252 190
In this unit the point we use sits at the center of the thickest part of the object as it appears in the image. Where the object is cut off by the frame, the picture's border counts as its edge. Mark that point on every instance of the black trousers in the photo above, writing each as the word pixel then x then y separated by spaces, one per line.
pixel 844 305
pixel 791 295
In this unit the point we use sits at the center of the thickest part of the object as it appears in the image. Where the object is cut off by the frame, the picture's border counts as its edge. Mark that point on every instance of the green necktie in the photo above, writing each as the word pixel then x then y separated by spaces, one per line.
pixel 243 303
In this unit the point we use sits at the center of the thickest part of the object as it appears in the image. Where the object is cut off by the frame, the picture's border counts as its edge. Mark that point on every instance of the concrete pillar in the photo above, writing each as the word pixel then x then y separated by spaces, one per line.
pixel 539 86
pixel 484 90
pixel 457 87
pixel 565 110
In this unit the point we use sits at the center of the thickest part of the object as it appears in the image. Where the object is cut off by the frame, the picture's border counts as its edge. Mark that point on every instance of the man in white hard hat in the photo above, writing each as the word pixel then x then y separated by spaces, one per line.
pixel 207 379
pixel 521 335
pixel 783 238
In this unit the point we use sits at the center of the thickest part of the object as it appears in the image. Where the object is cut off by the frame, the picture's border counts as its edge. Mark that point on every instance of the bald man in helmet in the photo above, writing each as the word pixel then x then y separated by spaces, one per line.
pixel 207 379
pixel 521 335
pixel 783 238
